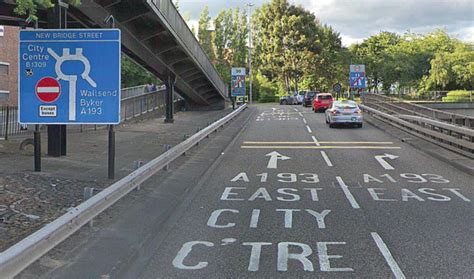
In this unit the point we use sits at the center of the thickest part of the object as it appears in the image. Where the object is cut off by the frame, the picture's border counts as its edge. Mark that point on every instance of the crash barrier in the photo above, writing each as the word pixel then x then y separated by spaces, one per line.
pixel 21 255
pixel 397 106
pixel 453 137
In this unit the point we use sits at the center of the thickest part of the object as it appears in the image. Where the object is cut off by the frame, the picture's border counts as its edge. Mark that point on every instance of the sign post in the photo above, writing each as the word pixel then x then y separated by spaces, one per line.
pixel 337 87
pixel 237 85
pixel 69 76
pixel 357 79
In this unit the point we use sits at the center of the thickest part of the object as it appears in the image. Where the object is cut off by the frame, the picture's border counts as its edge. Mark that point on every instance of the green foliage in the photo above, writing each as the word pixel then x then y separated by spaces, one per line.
pixel 29 7
pixel 459 96
pixel 204 33
pixel 230 41
pixel 134 75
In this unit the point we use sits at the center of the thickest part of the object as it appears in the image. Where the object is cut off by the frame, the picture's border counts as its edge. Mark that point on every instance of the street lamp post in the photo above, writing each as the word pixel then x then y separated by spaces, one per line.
pixel 249 6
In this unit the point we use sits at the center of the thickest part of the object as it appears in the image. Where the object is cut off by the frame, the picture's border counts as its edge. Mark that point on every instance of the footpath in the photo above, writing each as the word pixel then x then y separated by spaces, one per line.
pixel 29 200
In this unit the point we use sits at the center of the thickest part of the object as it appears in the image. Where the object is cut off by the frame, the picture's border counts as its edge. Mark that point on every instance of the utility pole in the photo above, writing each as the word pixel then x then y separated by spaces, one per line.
pixel 249 6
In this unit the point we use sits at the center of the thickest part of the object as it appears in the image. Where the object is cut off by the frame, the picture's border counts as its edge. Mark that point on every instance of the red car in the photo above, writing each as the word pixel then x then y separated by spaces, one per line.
pixel 322 101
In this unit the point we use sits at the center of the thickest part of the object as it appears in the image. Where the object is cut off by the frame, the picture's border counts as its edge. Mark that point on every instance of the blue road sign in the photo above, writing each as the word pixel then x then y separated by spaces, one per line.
pixel 69 76
pixel 237 82
pixel 357 77
pixel 357 80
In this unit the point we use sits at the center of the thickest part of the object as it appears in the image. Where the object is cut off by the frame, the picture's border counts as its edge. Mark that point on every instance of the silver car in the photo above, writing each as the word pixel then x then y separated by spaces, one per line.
pixel 344 112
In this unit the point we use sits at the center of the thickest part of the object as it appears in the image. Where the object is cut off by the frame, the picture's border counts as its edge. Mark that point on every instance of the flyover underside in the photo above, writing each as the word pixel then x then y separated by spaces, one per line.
pixel 150 40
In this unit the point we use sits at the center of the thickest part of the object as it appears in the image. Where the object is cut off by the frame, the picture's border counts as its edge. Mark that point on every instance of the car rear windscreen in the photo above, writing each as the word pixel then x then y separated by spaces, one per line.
pixel 325 97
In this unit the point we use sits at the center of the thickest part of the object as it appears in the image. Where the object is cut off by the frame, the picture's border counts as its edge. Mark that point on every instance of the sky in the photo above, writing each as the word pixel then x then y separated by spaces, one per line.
pixel 359 19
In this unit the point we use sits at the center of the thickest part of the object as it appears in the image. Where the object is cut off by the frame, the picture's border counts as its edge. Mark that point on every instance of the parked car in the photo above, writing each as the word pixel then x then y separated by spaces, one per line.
pixel 322 101
pixel 344 112
pixel 300 97
pixel 288 100
pixel 308 98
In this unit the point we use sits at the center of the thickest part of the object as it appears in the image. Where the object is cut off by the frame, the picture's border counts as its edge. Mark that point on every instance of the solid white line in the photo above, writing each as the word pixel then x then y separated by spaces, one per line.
pixel 304 121
pixel 388 256
pixel 348 193
pixel 47 89
pixel 315 140
pixel 309 129
pixel 326 159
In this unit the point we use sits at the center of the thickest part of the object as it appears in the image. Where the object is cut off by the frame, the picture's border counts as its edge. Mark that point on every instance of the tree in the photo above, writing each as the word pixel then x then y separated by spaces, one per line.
pixel 205 34
pixel 29 7
pixel 229 41
pixel 373 53
pixel 134 75
pixel 285 42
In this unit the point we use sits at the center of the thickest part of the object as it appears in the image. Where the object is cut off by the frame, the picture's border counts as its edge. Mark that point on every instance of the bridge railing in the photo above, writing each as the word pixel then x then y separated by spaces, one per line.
pixel 183 33
pixel 396 106
pixel 453 137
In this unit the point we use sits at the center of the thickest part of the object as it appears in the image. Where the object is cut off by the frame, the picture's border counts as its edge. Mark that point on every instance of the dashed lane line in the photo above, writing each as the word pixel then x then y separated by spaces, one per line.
pixel 309 129
pixel 304 121
pixel 397 272
pixel 326 159
pixel 315 141
pixel 348 193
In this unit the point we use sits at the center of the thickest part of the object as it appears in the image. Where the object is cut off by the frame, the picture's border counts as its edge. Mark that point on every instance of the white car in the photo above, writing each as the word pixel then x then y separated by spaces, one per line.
pixel 344 112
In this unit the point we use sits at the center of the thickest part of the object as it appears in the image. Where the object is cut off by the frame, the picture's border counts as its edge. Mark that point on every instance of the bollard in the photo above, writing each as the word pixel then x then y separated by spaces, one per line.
pixel 88 193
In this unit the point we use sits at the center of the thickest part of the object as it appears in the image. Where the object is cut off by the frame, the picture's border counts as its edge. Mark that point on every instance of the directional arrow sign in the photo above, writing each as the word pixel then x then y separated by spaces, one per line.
pixel 274 157
pixel 383 163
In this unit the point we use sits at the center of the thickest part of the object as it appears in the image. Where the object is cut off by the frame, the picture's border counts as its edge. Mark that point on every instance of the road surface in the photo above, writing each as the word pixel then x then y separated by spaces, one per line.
pixel 292 198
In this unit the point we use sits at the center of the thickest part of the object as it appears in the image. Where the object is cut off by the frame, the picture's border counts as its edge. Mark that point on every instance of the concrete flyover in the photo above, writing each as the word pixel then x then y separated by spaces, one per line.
pixel 154 35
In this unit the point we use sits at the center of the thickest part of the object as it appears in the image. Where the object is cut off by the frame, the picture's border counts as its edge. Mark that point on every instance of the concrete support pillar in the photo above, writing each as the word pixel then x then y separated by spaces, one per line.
pixel 170 98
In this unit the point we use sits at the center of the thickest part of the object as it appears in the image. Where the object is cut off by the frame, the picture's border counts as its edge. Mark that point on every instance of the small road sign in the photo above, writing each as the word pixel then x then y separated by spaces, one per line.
pixel 48 90
pixel 69 76
pixel 237 82
pixel 357 77
pixel 337 87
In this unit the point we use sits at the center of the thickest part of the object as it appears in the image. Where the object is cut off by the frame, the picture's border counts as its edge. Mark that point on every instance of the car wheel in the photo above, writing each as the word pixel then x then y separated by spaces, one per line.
pixel 327 122
pixel 284 102
pixel 359 125
pixel 332 125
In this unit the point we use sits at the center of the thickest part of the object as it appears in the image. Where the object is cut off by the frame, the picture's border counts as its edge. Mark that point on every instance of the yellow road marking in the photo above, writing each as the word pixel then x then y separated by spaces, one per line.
pixel 317 147
pixel 322 142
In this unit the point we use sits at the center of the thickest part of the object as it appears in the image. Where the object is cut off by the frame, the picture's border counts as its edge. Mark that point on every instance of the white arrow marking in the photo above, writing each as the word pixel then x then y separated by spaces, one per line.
pixel 274 157
pixel 383 163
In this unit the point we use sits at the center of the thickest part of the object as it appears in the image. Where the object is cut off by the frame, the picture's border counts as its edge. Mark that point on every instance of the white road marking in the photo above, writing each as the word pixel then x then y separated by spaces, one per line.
pixel 274 157
pixel 315 140
pixel 348 193
pixel 326 159
pixel 304 121
pixel 295 109
pixel 309 129
pixel 397 272
pixel 383 163
pixel 300 114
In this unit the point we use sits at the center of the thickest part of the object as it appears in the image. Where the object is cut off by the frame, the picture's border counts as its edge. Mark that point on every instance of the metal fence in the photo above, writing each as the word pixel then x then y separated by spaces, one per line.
pixel 137 103
pixel 9 122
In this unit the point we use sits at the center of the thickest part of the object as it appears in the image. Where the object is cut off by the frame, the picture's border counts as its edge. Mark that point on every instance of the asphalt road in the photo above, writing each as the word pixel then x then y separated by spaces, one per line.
pixel 342 202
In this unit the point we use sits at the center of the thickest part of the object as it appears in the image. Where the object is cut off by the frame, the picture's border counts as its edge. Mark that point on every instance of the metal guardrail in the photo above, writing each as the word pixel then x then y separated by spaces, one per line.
pixel 396 105
pixel 21 255
pixel 452 137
